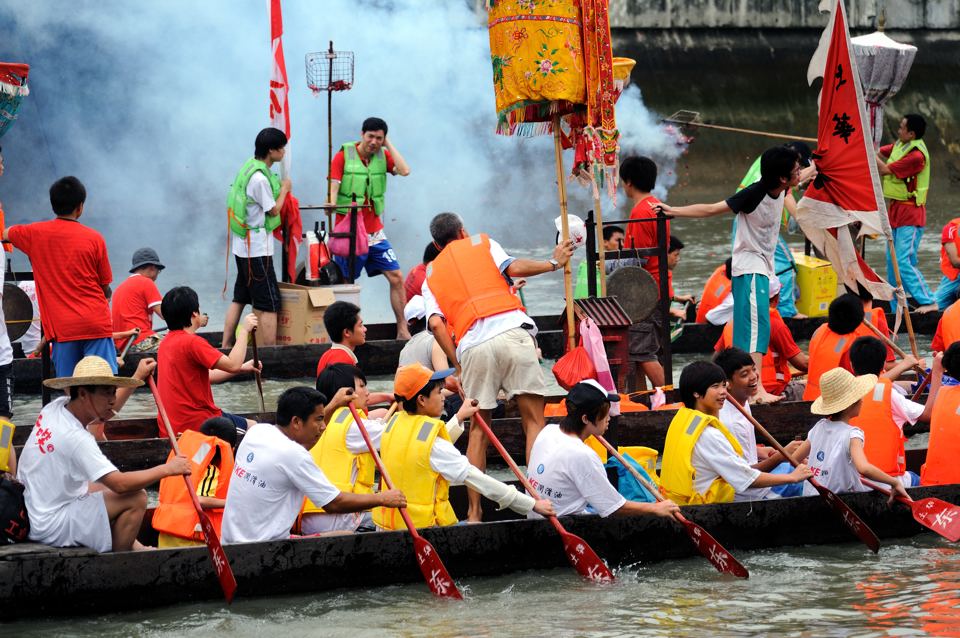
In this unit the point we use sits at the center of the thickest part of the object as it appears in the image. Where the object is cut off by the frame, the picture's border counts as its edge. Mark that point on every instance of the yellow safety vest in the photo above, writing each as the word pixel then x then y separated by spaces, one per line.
pixel 350 473
pixel 677 474
pixel 405 450
pixel 896 188
pixel 6 444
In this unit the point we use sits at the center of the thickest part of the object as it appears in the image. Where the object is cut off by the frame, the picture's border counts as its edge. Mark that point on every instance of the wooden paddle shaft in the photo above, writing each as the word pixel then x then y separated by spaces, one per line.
pixel 564 230
pixel 256 368
pixel 644 482
pixel 884 338
pixel 128 343
pixel 762 430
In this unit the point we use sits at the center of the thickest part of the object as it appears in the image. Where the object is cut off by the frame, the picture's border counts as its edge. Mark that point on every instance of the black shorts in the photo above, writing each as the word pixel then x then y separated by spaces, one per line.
pixel 257 284
pixel 6 390
pixel 645 339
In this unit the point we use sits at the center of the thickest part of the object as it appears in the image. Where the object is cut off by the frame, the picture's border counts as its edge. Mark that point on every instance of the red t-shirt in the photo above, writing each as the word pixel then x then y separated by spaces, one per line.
pixel 70 266
pixel 370 218
pixel 184 361
pixel 907 167
pixel 645 235
pixel 132 305
pixel 414 281
pixel 335 355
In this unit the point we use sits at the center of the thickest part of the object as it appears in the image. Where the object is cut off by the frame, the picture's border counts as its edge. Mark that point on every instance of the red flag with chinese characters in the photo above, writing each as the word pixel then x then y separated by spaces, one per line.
pixel 847 187
pixel 280 118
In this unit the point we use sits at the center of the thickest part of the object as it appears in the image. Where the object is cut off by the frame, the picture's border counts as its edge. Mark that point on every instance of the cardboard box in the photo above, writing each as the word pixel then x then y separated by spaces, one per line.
pixel 817 281
pixel 300 319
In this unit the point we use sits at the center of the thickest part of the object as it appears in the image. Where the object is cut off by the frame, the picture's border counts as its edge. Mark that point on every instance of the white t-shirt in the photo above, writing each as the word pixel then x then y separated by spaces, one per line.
pixel 6 350
pixel 31 339
pixel 489 327
pixel 744 432
pixel 903 410
pixel 271 475
pixel 830 457
pixel 261 242
pixel 568 473
pixel 756 238
pixel 713 456
pixel 722 313
pixel 58 462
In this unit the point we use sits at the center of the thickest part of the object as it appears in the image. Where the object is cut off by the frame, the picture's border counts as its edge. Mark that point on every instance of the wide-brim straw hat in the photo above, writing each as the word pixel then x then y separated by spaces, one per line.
pixel 839 389
pixel 92 370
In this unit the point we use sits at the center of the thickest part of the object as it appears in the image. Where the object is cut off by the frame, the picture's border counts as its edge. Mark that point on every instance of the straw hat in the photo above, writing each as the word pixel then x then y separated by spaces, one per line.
pixel 92 370
pixel 839 390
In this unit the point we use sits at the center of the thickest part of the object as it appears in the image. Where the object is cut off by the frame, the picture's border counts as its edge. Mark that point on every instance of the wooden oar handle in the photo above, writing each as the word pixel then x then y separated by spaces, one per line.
pixel 923 386
pixel 253 344
pixel 893 346
pixel 762 430
pixel 128 343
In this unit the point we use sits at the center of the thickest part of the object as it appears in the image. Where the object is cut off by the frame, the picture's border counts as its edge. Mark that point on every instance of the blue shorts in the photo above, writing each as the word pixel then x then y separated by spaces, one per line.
pixel 66 354
pixel 379 259
pixel 238 422
pixel 751 312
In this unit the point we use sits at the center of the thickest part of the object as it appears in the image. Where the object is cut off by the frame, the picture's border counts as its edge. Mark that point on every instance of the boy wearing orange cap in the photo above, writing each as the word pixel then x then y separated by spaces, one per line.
pixel 423 463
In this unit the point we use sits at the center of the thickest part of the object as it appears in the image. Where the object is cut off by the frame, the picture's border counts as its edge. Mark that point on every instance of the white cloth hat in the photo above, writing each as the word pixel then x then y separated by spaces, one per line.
pixel 416 308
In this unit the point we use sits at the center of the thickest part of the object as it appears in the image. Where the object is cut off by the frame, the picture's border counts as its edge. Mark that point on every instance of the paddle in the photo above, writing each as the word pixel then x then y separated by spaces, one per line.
pixel 126 346
pixel 850 518
pixel 933 513
pixel 437 577
pixel 893 346
pixel 706 544
pixel 220 563
pixel 579 553
pixel 256 368
pixel 923 386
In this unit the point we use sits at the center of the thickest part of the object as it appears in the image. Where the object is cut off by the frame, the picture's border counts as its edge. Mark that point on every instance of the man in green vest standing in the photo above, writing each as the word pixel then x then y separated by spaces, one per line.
pixel 360 168
pixel 253 211
pixel 904 167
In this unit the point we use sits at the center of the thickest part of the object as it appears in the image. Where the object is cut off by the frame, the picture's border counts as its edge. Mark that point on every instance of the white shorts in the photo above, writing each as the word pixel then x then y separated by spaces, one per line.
pixel 320 523
pixel 506 362
pixel 82 522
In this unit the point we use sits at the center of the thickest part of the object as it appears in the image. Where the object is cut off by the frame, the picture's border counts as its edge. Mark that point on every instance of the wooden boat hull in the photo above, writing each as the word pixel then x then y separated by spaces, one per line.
pixel 380 354
pixel 43 581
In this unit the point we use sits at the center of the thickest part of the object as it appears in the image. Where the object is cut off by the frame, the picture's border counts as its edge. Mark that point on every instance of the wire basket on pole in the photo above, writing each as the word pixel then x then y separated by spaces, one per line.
pixel 329 71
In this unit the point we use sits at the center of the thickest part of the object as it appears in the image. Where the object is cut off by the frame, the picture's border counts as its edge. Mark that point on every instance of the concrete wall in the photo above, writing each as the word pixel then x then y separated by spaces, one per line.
pixel 682 14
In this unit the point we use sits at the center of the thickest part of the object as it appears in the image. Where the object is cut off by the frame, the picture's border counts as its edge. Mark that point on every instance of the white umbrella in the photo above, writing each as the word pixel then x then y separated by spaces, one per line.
pixel 884 64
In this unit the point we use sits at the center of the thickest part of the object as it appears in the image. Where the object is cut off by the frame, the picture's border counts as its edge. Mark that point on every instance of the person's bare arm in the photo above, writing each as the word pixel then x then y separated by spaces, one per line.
pixel 144 369
pixel 285 186
pixel 529 267
pixel 347 502
pixel 952 254
pixel 935 382
pixel 438 358
pixel 696 210
pixel 439 329
pixel 665 509
pixel 210 503
pixel 799 473
pixel 872 472
pixel 400 166
pixel 107 291
pixel 156 311
pixel 229 365
pixel 126 482
pixel 800 361
pixel 882 167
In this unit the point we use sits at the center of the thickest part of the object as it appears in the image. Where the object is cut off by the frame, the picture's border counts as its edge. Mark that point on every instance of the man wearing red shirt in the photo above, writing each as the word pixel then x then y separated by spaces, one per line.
pixel 346 330
pixel 72 273
pixel 361 168
pixel 414 281
pixel 187 364
pixel 638 176
pixel 949 289
pixel 137 299
pixel 904 167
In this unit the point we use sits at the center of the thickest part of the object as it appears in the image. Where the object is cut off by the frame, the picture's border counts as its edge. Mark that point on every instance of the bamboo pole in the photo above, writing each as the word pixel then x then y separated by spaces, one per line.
pixel 901 294
pixel 601 262
pixel 564 230
pixel 733 129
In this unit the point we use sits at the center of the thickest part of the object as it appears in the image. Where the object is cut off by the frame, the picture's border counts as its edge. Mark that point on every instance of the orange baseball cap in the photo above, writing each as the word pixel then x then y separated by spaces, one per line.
pixel 412 378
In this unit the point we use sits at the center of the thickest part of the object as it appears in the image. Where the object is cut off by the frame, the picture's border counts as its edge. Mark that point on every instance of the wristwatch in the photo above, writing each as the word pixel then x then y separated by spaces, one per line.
pixel 554 263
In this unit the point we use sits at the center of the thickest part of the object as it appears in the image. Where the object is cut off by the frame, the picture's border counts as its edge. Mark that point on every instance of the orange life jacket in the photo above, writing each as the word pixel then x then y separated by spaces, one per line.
pixel 949 327
pixel 175 514
pixel 775 370
pixel 826 350
pixel 943 449
pixel 626 405
pixel 467 284
pixel 716 288
pixel 883 440
pixel 946 267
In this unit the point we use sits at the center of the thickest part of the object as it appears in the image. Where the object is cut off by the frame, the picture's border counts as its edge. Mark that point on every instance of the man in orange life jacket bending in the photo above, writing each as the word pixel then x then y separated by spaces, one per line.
pixel 466 292
pixel 941 467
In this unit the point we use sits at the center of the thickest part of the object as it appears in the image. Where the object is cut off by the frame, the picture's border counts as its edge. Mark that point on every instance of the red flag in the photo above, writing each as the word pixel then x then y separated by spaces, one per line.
pixel 279 106
pixel 847 187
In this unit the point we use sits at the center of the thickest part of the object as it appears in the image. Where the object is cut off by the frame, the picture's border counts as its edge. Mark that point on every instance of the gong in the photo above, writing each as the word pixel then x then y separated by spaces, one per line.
pixel 635 289
pixel 17 311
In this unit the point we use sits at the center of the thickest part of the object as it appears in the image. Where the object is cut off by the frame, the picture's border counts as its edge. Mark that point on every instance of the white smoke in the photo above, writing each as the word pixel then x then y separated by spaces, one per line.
pixel 154 106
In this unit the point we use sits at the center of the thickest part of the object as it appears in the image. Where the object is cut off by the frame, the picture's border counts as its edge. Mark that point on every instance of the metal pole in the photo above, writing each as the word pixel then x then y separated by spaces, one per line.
pixel 352 257
pixel 564 231
pixel 330 56
pixel 602 261
pixel 591 256
pixel 664 306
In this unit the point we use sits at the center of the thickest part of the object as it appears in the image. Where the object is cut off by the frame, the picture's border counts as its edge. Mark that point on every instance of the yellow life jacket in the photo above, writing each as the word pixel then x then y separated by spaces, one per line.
pixel 6 444
pixel 350 473
pixel 405 450
pixel 677 474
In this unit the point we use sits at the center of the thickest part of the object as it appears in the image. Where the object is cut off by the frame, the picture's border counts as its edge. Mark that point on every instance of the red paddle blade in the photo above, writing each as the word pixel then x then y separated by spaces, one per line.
pixel 436 575
pixel 718 556
pixel 940 516
pixel 850 518
pixel 584 559
pixel 220 563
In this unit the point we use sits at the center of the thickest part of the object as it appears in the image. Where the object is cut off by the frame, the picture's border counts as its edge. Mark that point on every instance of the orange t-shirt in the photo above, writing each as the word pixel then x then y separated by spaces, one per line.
pixel 644 235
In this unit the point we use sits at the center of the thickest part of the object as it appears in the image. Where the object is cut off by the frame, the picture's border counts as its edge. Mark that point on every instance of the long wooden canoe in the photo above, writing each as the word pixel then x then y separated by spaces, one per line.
pixel 39 581
pixel 380 354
